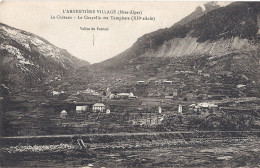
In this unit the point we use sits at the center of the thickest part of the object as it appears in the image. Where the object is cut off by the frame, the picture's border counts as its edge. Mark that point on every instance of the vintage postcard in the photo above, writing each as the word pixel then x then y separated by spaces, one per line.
pixel 105 84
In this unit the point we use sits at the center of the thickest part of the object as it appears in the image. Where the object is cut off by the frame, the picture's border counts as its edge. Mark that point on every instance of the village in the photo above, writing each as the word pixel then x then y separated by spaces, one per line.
pixel 128 105
pixel 180 89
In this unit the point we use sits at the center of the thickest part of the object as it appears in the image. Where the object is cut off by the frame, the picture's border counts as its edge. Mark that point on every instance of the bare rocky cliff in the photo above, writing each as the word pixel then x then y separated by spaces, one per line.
pixel 178 47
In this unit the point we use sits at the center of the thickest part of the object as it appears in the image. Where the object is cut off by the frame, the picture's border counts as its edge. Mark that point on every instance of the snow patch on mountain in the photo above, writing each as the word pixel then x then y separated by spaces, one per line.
pixel 36 49
pixel 29 41
pixel 16 52
pixel 16 36
pixel 203 9
pixel 10 31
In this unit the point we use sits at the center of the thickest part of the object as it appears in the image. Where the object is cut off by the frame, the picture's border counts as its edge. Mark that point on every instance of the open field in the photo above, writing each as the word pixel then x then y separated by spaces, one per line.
pixel 172 149
pixel 217 153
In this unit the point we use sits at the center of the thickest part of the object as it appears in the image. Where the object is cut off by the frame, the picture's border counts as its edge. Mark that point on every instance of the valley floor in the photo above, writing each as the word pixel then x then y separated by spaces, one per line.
pixel 202 152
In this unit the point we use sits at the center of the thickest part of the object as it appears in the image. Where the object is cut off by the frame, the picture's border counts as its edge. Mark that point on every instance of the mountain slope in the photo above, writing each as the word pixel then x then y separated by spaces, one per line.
pixel 199 11
pixel 27 59
pixel 220 31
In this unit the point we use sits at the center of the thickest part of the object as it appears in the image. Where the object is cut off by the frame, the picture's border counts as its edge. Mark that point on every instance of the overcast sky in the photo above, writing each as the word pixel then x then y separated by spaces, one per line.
pixel 34 17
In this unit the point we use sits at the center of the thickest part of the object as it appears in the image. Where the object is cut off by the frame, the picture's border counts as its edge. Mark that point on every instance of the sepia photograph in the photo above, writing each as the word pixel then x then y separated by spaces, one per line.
pixel 120 84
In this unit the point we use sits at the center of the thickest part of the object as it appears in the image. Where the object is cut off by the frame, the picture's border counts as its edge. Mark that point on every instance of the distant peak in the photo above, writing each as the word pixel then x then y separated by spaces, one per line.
pixel 200 9
pixel 212 3
pixel 209 6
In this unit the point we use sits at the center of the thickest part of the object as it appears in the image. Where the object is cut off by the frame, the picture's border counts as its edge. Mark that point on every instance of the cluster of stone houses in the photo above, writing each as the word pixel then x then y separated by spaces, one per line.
pixel 203 106
pixel 123 96
pixel 89 91
pixel 97 107
pixel 158 82
pixel 57 93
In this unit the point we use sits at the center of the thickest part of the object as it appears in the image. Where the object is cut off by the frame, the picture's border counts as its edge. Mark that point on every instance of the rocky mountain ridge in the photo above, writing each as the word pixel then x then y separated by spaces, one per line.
pixel 199 11
pixel 220 31
pixel 28 59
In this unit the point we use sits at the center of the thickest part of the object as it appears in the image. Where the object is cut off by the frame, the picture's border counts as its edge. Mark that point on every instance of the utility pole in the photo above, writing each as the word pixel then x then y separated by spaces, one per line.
pixel 93 40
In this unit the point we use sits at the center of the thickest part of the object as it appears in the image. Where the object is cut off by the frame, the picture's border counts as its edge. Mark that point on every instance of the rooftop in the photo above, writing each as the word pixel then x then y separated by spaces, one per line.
pixel 99 104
